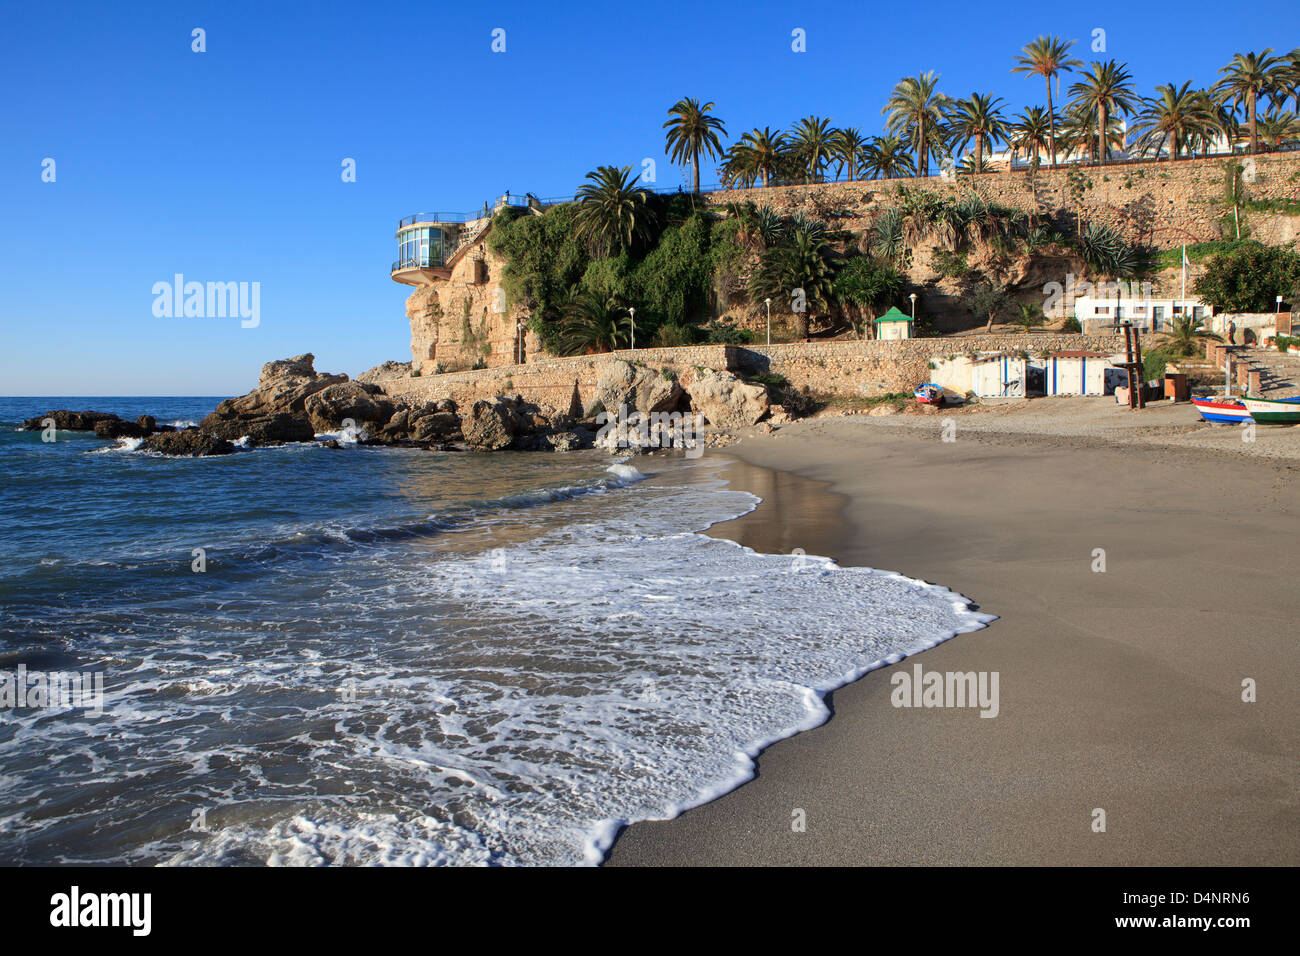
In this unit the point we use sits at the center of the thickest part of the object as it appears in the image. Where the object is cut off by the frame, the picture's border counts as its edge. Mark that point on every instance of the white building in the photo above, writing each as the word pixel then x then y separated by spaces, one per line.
pixel 1107 313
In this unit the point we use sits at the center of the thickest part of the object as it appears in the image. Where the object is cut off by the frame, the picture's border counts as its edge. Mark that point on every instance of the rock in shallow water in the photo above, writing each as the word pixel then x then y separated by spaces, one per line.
pixel 190 443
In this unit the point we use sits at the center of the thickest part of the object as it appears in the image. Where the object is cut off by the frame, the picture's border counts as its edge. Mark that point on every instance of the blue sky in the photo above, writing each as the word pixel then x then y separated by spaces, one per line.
pixel 225 165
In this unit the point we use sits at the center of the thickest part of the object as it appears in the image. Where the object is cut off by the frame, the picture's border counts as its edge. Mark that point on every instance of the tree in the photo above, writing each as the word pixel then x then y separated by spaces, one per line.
pixel 1029 316
pixel 757 155
pixel 612 212
pixel 916 112
pixel 867 284
pixel 592 323
pixel 1278 127
pixel 979 118
pixel 1034 130
pixel 886 157
pixel 800 271
pixel 1176 116
pixel 1105 90
pixel 1247 77
pixel 1184 336
pixel 1248 278
pixel 848 148
pixel 692 132
pixel 812 141
pixel 1046 57
pixel 987 300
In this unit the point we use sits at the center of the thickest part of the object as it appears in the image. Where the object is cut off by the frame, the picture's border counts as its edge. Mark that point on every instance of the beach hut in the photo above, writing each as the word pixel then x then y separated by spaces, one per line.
pixel 893 325
pixel 1076 373
pixel 1000 375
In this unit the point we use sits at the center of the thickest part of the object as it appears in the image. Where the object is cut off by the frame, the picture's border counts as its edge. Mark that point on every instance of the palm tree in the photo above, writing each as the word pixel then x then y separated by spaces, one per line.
pixel 1279 126
pixel 812 141
pixel 1245 78
pixel 612 212
pixel 886 157
pixel 1184 336
pixel 1033 130
pixel 1046 57
pixel 804 263
pixel 758 154
pixel 593 324
pixel 1078 132
pixel 916 112
pixel 847 147
pixel 1105 90
pixel 979 118
pixel 1177 116
pixel 692 132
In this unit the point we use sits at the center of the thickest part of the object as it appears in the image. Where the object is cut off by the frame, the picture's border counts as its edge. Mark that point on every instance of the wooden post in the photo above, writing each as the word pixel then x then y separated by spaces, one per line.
pixel 1128 364
pixel 1137 368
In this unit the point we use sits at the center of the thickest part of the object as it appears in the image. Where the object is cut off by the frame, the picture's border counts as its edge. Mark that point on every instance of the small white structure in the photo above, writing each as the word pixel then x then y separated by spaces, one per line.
pixel 893 325
pixel 1104 313
pixel 1000 375
pixel 1076 373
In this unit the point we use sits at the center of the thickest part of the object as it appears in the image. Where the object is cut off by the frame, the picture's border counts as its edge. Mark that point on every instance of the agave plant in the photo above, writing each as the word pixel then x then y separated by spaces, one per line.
pixel 886 239
pixel 814 229
pixel 1104 249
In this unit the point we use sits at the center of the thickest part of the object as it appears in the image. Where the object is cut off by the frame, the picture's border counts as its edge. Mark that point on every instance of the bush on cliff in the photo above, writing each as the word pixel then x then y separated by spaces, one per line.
pixel 1249 277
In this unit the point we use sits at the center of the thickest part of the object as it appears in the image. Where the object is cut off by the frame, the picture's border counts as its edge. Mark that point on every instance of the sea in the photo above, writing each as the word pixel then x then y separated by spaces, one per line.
pixel 376 656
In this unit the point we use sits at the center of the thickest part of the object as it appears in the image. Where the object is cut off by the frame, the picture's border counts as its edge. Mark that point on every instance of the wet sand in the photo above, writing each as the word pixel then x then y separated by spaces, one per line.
pixel 1119 690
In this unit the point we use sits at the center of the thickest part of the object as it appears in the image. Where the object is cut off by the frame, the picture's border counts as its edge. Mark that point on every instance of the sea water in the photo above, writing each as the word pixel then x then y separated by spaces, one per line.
pixel 399 657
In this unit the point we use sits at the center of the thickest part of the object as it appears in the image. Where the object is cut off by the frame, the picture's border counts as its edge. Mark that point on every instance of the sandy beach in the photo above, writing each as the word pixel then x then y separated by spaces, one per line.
pixel 1119 689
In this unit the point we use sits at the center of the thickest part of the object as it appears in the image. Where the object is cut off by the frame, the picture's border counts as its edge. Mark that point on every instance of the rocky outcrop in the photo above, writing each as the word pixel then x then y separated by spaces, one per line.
pixel 190 443
pixel 69 421
pixel 636 387
pixel 275 411
pixel 117 428
pixel 383 372
pixel 364 405
pixel 491 424
pixel 726 401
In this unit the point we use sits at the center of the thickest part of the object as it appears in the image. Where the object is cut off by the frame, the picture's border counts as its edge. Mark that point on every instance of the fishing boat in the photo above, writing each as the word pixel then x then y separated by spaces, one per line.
pixel 929 394
pixel 1222 410
pixel 1268 411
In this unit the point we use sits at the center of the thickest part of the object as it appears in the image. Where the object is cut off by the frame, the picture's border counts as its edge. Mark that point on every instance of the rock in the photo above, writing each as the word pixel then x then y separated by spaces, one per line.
pixel 116 428
pixel 191 442
pixel 564 441
pixel 278 429
pixel 384 371
pixel 332 443
pixel 328 408
pixel 727 402
pixel 490 425
pixel 69 421
pixel 276 410
pixel 397 425
pixel 148 423
pixel 436 427
pixel 637 387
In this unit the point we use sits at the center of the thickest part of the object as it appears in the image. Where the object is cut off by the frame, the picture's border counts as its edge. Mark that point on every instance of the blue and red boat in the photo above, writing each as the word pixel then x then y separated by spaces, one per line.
pixel 1222 410
pixel 929 394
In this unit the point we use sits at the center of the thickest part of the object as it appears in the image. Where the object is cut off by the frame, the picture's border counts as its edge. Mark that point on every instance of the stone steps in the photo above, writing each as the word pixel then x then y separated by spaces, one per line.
pixel 1280 371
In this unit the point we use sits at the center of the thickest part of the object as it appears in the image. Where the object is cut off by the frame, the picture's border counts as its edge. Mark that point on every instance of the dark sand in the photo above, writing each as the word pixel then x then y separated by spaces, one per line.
pixel 1119 690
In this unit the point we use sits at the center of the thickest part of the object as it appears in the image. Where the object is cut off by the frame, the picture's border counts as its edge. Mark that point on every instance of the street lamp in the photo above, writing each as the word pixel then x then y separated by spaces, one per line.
pixel 768 303
pixel 632 312
pixel 1279 303
pixel 913 298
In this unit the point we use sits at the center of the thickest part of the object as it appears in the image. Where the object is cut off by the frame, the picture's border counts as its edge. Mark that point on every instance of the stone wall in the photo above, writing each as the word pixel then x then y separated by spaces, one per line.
pixel 831 368
pixel 1156 203
pixel 466 320
pixel 877 368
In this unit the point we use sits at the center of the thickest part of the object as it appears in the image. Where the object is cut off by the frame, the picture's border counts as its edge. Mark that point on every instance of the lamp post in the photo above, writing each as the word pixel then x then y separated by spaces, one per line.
pixel 632 313
pixel 912 330
pixel 768 303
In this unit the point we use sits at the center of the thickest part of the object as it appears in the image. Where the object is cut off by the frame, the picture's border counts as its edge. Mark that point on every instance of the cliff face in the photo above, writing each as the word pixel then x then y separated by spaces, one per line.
pixel 467 321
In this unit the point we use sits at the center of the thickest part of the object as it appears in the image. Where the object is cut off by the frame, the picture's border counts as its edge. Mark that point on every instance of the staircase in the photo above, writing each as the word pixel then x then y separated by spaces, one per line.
pixel 1280 371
